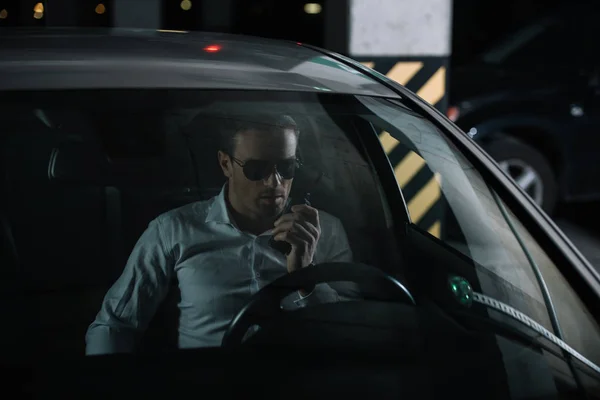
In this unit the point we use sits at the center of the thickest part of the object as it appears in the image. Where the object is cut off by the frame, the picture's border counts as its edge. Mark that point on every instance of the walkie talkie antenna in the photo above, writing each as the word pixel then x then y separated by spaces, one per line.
pixel 307 199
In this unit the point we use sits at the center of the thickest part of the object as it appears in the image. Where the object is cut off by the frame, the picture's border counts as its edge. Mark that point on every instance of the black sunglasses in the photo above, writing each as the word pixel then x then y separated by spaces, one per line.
pixel 257 170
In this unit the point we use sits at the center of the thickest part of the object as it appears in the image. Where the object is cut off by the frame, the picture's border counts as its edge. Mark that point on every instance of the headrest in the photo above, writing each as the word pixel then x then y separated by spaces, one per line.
pixel 78 162
pixel 86 163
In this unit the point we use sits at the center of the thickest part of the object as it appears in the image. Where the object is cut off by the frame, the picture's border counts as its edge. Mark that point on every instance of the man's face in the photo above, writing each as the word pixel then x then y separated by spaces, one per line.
pixel 266 197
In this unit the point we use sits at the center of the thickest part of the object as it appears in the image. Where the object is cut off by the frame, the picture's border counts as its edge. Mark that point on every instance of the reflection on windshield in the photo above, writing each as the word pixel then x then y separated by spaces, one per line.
pixel 509 262
pixel 226 248
pixel 468 204
pixel 160 218
pixel 184 210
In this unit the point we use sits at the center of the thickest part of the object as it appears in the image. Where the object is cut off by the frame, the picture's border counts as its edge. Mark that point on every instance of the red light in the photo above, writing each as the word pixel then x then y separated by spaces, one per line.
pixel 299 43
pixel 453 113
pixel 212 48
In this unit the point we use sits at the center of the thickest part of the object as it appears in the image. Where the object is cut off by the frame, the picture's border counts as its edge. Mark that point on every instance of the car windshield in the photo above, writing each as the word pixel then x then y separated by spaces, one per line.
pixel 114 197
pixel 149 218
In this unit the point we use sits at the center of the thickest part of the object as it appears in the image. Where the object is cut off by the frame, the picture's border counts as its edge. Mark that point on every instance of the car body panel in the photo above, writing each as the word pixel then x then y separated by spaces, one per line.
pixel 163 60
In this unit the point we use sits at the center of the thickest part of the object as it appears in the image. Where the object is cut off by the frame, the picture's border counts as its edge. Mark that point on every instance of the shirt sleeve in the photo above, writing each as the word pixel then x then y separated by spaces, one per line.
pixel 133 300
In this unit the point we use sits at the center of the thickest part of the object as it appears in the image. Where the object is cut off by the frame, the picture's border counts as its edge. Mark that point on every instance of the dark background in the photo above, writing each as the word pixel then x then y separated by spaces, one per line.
pixel 476 23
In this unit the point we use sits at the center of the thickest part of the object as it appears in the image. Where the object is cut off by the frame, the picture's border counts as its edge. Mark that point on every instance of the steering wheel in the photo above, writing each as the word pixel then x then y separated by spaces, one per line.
pixel 265 305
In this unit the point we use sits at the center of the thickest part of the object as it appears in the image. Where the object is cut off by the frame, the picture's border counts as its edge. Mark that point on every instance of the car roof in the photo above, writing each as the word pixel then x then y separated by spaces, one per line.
pixel 63 58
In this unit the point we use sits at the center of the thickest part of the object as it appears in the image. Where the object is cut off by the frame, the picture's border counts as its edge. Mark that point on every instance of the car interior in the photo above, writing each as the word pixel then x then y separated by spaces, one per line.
pixel 79 188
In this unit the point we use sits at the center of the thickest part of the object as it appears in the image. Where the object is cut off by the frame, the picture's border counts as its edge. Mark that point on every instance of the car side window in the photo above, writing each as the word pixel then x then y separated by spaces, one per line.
pixel 472 220
pixel 470 217
pixel 466 216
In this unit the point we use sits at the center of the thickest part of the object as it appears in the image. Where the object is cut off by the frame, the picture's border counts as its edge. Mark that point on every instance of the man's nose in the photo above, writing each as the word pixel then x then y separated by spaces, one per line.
pixel 274 179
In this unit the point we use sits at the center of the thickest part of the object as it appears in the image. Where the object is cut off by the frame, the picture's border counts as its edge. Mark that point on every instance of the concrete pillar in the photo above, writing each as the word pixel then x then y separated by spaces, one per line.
pixel 145 14
pixel 400 28
pixel 410 42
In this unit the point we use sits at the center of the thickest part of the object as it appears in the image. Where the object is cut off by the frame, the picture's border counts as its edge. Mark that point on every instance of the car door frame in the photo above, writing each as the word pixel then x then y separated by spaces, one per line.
pixel 578 272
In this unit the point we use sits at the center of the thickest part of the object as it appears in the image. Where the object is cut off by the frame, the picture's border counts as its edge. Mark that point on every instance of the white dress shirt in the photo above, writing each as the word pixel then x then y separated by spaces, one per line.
pixel 218 269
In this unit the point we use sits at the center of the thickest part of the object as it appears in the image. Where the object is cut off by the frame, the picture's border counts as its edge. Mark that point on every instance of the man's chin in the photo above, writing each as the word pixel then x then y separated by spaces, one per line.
pixel 271 209
pixel 270 212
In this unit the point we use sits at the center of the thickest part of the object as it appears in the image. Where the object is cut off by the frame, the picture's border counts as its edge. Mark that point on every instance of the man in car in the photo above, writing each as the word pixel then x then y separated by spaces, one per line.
pixel 219 249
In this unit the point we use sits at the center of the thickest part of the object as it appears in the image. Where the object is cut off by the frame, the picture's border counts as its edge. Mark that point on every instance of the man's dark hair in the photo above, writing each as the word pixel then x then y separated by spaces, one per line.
pixel 230 126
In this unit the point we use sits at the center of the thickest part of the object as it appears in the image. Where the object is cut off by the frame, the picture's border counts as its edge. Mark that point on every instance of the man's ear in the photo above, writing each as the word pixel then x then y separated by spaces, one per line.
pixel 225 163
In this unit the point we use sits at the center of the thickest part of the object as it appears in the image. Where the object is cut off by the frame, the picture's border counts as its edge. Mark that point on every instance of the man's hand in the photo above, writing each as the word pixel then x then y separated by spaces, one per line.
pixel 301 229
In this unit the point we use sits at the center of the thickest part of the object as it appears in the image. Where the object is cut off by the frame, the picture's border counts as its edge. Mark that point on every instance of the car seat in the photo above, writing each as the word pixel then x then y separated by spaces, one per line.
pixel 61 229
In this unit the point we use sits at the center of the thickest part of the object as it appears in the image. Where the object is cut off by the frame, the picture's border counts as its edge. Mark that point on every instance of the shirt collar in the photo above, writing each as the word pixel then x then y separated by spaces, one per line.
pixel 218 211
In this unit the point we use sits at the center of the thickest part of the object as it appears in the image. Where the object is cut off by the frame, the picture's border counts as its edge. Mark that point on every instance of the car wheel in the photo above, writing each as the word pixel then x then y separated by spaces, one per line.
pixel 528 167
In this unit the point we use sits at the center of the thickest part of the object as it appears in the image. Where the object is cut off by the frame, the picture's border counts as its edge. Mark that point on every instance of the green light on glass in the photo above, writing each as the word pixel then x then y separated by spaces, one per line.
pixel 461 289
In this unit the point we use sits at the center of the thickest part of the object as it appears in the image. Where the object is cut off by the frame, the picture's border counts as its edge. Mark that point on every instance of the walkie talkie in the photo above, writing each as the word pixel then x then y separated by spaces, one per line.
pixel 282 246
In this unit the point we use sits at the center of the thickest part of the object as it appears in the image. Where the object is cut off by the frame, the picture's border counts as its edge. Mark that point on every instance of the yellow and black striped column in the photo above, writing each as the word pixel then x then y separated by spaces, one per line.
pixel 426 77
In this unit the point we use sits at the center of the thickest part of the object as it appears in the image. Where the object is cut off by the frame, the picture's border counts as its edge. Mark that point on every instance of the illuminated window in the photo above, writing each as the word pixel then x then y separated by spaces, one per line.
pixel 312 8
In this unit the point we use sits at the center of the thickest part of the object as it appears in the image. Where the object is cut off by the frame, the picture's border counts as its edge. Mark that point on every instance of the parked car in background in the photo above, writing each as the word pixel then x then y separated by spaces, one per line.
pixel 104 131
pixel 533 102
